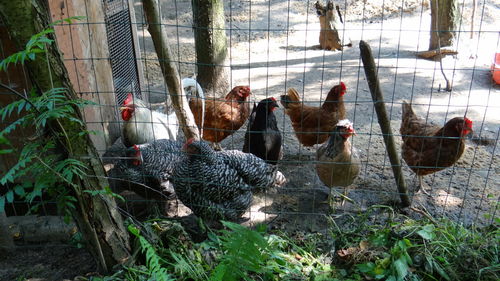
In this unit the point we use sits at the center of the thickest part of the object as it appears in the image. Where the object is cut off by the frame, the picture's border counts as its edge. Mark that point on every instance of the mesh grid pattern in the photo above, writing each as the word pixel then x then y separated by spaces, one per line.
pixel 122 54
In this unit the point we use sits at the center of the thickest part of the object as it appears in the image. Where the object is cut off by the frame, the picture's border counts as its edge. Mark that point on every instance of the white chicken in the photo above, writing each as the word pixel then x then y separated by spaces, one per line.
pixel 143 125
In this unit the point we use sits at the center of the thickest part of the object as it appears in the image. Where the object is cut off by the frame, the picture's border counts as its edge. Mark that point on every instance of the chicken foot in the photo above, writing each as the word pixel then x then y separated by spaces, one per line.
pixel 343 195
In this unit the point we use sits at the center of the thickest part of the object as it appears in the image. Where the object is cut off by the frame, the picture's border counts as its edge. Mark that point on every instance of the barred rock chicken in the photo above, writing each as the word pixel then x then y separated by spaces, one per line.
pixel 263 138
pixel 143 125
pixel 338 162
pixel 222 117
pixel 312 125
pixel 219 184
pixel 150 165
pixel 427 148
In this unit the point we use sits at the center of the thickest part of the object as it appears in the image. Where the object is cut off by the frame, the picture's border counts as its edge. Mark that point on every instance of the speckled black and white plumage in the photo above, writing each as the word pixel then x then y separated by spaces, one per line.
pixel 151 164
pixel 219 184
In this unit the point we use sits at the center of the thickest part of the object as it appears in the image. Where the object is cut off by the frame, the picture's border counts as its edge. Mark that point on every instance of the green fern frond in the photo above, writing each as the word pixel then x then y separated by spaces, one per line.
pixel 153 261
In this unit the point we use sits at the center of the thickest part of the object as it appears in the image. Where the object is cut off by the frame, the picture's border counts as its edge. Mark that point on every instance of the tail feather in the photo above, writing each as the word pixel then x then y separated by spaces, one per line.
pixel 407 110
pixel 290 99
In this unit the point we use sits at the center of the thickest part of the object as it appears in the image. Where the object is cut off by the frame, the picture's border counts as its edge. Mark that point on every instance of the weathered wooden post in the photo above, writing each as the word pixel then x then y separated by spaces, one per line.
pixel 383 120
pixel 169 70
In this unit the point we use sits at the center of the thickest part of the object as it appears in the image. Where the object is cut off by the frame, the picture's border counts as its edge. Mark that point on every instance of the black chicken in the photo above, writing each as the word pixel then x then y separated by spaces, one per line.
pixel 263 138
pixel 219 184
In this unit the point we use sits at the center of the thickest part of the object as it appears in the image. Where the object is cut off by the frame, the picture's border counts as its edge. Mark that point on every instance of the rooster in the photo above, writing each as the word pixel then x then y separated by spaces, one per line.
pixel 142 125
pixel 427 148
pixel 263 138
pixel 222 117
pixel 219 184
pixel 313 124
pixel 338 162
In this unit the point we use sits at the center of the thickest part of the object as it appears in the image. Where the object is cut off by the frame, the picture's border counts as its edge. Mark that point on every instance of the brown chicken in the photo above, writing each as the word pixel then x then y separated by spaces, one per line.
pixel 427 148
pixel 312 125
pixel 338 162
pixel 222 117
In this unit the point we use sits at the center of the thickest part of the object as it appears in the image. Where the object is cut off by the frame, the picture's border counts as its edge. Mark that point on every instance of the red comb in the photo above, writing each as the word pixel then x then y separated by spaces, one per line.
pixel 137 160
pixel 188 142
pixel 342 85
pixel 273 99
pixel 468 122
pixel 244 91
pixel 129 99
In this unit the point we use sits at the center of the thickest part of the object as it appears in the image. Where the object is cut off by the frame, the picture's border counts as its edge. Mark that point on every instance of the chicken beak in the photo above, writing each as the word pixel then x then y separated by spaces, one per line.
pixel 352 132
pixel 122 108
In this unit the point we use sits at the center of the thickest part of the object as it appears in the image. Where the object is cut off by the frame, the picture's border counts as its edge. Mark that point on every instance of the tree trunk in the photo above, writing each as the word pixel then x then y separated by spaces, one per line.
pixel 96 216
pixel 211 46
pixel 169 70
pixel 444 22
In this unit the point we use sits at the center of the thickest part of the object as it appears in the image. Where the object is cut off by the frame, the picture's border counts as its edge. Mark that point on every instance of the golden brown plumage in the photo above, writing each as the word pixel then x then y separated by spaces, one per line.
pixel 222 117
pixel 312 125
pixel 338 163
pixel 427 148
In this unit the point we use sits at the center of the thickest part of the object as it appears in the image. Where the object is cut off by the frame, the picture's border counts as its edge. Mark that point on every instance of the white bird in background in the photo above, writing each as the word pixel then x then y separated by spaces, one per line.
pixel 143 125
pixel 190 82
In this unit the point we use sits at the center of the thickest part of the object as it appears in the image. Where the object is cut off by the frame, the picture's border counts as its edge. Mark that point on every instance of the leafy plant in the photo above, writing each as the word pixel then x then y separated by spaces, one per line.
pixel 43 168
pixel 35 45
pixel 406 249
pixel 155 270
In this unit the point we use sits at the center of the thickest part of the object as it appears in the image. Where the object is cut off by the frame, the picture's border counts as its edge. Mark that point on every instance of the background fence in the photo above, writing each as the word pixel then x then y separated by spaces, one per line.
pixel 273 45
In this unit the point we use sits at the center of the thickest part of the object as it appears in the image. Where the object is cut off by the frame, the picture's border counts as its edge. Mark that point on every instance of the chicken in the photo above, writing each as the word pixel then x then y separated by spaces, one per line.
pixel 338 162
pixel 219 184
pixel 222 118
pixel 312 125
pixel 142 125
pixel 427 148
pixel 148 168
pixel 263 138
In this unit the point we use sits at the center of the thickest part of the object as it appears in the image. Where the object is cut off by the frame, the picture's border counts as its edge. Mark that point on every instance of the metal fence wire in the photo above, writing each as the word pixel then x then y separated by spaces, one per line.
pixel 273 46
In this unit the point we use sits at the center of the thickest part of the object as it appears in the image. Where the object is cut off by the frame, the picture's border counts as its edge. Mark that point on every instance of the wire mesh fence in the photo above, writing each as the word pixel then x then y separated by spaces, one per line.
pixel 273 46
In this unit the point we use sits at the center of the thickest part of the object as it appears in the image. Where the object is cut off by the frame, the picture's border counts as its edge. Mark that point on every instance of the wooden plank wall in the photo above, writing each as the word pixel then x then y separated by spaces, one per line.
pixel 86 54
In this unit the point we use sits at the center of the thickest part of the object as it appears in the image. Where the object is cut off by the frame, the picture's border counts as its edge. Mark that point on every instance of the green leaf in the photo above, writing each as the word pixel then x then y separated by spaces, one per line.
pixel 391 278
pixel 401 268
pixel 440 270
pixel 6 151
pixel 134 230
pixel 366 267
pixel 19 190
pixel 9 196
pixel 427 232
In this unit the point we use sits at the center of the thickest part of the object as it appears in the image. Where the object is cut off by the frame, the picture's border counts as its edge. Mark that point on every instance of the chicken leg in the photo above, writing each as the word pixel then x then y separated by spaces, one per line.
pixel 343 195
pixel 420 186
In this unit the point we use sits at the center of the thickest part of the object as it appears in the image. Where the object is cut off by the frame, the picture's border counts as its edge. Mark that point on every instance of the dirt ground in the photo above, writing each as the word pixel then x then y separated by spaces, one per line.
pixel 273 46
pixel 45 262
